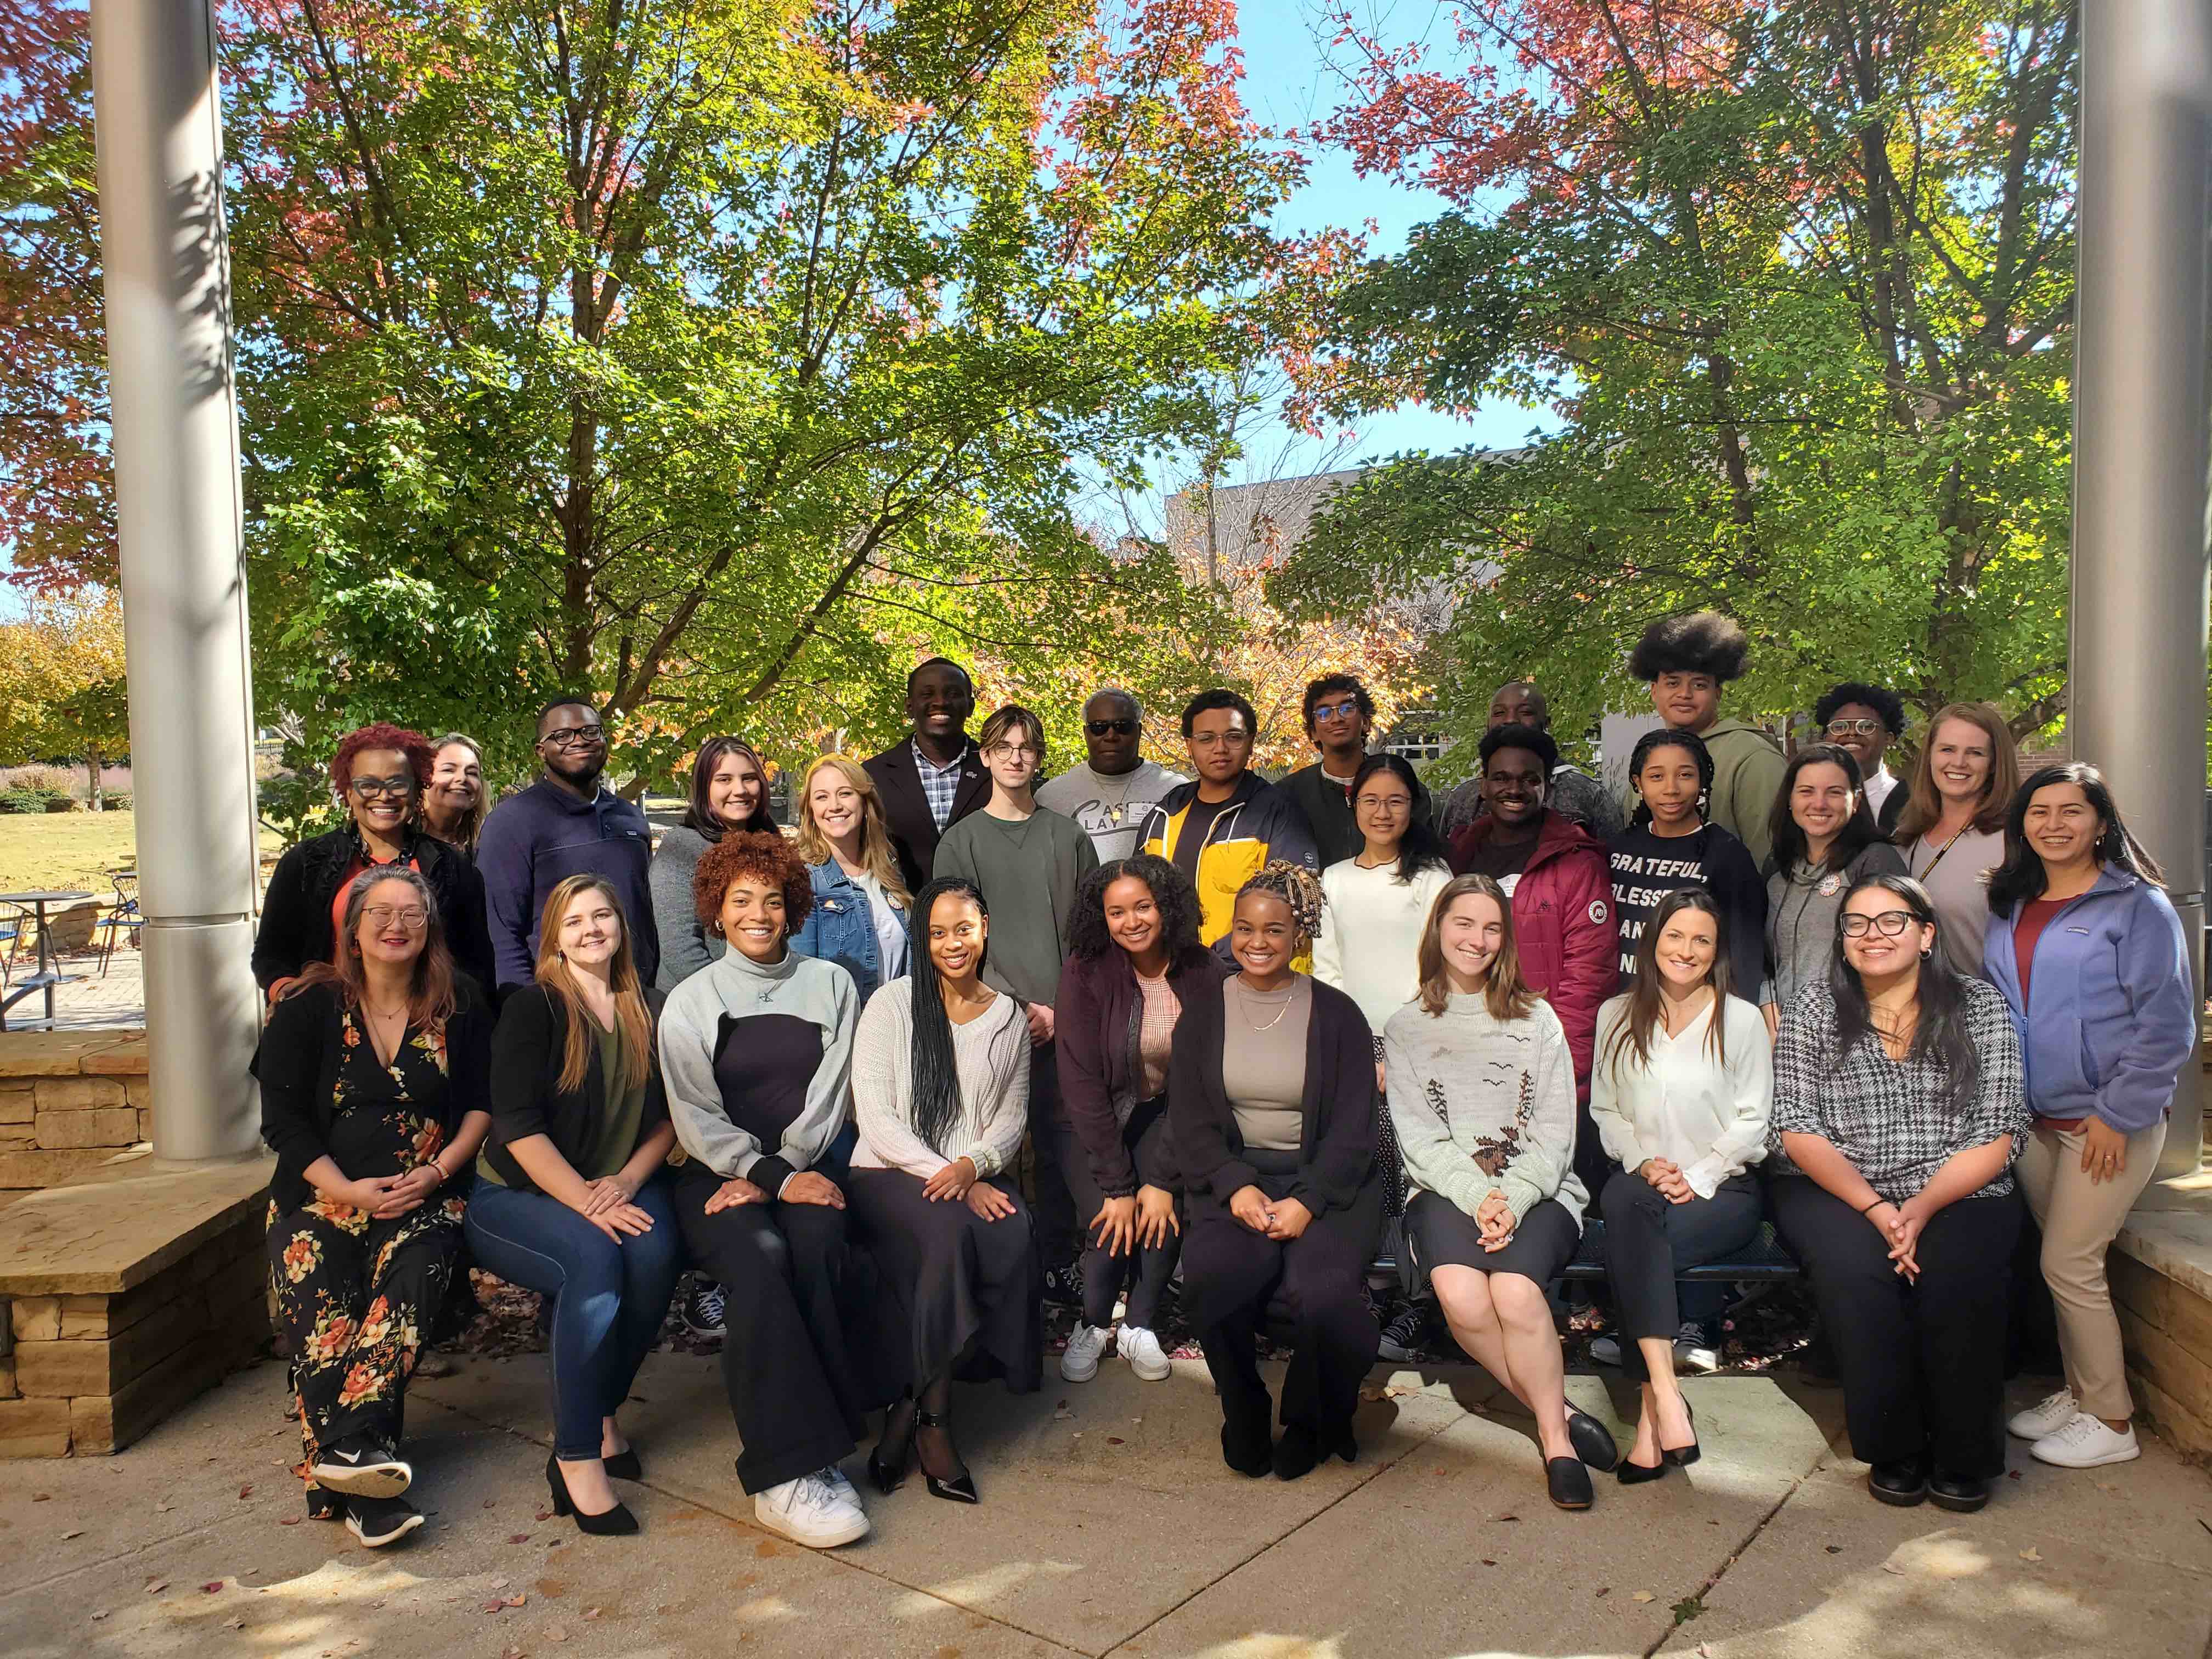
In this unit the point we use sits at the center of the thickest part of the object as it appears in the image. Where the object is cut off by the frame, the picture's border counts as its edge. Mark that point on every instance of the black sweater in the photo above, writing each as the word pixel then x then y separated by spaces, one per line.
pixel 295 913
pixel 527 1051
pixel 1336 1146
pixel 298 1066
pixel 1646 867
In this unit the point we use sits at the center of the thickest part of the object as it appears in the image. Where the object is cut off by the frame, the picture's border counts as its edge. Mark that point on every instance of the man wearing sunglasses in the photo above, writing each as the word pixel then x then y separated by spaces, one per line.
pixel 1111 794
pixel 1863 721
pixel 1339 716
pixel 566 824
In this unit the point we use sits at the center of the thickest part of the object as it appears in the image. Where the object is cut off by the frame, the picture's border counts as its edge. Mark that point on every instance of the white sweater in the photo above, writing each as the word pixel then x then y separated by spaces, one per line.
pixel 1370 935
pixel 991 1055
pixel 1707 1118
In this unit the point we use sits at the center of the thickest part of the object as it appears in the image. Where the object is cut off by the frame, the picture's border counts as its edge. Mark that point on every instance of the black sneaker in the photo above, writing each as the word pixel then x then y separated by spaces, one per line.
pixel 1063 1286
pixel 1406 1333
pixel 325 1505
pixel 377 1522
pixel 360 1468
pixel 703 1309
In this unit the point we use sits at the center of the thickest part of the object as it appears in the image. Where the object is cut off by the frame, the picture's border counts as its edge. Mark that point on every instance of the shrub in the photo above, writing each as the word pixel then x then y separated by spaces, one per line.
pixel 117 802
pixel 22 799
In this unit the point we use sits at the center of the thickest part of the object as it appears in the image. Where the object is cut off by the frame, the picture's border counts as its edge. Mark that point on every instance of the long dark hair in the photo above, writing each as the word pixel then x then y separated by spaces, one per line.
pixel 1939 1033
pixel 1646 999
pixel 700 815
pixel 1666 737
pixel 1859 831
pixel 1420 847
pixel 2020 877
pixel 1172 894
pixel 936 1074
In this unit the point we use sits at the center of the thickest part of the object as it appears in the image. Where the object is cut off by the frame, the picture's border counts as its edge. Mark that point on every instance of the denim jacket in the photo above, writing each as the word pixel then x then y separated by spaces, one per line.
pixel 842 928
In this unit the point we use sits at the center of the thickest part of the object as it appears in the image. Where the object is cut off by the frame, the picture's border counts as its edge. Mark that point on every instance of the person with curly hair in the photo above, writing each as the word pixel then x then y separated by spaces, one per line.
pixel 1271 1090
pixel 1134 958
pixel 1573 793
pixel 374 1073
pixel 757 1052
pixel 1864 720
pixel 379 774
pixel 1340 721
pixel 1686 659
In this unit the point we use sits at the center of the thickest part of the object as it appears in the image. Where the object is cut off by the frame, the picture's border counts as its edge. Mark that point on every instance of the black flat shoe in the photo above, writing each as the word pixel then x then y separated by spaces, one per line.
pixel 617 1522
pixel 1247 1453
pixel 1633 1473
pixel 624 1466
pixel 961 1488
pixel 889 1474
pixel 1682 1456
pixel 1901 1484
pixel 1569 1483
pixel 1297 1452
pixel 1962 1494
pixel 1591 1440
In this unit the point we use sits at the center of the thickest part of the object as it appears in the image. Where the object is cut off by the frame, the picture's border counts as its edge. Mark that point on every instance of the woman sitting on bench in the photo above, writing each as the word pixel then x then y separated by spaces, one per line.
pixel 1682 1095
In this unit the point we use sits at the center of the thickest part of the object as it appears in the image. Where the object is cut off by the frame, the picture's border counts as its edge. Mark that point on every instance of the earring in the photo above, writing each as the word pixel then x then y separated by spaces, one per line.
pixel 1927 953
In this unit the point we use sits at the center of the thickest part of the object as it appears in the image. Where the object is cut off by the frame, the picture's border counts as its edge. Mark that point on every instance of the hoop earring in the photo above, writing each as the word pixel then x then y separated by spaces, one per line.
pixel 1927 953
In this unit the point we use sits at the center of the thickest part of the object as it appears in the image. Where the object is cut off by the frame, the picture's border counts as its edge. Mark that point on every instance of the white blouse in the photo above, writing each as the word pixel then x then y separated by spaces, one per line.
pixel 1708 1118
pixel 1369 943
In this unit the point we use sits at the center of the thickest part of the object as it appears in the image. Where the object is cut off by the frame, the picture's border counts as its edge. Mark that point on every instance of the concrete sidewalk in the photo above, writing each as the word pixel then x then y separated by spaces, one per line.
pixel 1108 1525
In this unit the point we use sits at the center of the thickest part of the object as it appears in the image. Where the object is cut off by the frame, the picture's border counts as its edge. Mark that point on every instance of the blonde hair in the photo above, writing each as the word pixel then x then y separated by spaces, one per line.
pixel 875 855
pixel 1508 995
pixel 1924 806
pixel 632 1018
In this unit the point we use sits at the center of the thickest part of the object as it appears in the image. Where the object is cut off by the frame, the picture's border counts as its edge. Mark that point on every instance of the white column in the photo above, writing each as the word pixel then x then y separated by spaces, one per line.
pixel 2141 439
pixel 175 438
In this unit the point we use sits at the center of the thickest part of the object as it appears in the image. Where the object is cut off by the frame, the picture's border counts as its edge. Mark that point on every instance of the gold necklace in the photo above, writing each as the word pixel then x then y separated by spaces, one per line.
pixel 1249 1022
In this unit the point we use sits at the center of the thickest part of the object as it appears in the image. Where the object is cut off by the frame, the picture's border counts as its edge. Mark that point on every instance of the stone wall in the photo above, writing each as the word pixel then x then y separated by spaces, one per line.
pixel 2161 1278
pixel 69 1100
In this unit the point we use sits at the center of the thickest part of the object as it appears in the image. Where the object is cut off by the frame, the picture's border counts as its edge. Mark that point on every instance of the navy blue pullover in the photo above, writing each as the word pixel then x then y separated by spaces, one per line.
pixel 534 840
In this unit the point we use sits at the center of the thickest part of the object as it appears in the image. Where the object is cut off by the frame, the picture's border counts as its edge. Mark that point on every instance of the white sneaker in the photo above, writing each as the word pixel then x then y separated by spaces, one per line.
pixel 840 1484
pixel 810 1512
pixel 2046 1417
pixel 2085 1444
pixel 1692 1352
pixel 1084 1344
pixel 1142 1350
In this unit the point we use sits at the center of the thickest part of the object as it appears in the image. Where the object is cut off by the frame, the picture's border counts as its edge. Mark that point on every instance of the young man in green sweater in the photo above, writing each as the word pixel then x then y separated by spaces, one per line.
pixel 1687 660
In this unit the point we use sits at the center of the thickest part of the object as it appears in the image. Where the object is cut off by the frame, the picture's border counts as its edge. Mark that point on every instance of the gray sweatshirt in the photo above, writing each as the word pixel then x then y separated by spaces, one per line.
pixel 685 946
pixel 740 988
pixel 1484 1106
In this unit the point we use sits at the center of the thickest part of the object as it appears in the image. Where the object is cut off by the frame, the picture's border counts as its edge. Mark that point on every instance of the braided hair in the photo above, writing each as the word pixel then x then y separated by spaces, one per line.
pixel 1297 887
pixel 936 1074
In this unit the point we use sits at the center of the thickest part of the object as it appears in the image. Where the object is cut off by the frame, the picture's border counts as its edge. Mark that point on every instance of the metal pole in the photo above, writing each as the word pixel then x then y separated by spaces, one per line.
pixel 175 436
pixel 2141 440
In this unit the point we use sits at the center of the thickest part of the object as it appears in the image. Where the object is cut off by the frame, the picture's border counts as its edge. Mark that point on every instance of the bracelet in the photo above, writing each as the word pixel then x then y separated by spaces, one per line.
pixel 1876 1204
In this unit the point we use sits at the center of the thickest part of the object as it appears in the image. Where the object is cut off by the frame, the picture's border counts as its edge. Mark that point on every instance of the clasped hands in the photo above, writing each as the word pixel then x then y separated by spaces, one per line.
pixel 959 1182
pixel 1667 1176
pixel 1900 1225
pixel 1143 1219
pixel 1281 1218
pixel 1494 1217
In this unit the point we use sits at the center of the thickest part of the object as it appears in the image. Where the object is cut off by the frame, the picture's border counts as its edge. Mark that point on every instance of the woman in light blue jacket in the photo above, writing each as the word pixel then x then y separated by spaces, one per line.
pixel 859 919
pixel 2095 966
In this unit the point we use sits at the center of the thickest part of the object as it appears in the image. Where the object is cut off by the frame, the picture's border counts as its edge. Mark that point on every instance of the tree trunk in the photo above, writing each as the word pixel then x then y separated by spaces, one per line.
pixel 92 762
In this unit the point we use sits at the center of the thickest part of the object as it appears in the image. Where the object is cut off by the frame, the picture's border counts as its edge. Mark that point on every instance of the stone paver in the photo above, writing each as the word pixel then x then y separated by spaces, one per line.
pixel 86 999
pixel 1111 1529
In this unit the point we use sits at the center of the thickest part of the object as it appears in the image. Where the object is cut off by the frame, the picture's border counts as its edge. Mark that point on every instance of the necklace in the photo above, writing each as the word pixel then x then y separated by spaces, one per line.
pixel 1116 808
pixel 1252 1025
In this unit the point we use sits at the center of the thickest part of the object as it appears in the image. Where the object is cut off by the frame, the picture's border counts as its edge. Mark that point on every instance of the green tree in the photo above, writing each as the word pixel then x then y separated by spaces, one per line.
pixel 1794 281
pixel 62 689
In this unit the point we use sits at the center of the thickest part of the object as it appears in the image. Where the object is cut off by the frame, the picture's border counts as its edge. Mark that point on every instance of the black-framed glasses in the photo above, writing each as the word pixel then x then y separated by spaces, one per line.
pixel 1121 727
pixel 1853 728
pixel 575 736
pixel 1324 711
pixel 401 784
pixel 1890 924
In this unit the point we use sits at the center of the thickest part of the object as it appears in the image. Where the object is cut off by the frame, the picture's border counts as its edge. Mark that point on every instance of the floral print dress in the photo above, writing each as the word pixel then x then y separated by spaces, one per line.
pixel 356 1295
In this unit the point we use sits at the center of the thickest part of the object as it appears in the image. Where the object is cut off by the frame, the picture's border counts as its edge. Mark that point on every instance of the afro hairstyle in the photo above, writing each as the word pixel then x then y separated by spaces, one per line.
pixel 1691 642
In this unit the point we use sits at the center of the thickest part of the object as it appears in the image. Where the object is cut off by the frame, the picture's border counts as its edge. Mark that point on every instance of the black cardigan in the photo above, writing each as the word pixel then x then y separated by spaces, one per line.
pixel 526 1098
pixel 298 1066
pixel 295 913
pixel 1336 1148
pixel 1095 1023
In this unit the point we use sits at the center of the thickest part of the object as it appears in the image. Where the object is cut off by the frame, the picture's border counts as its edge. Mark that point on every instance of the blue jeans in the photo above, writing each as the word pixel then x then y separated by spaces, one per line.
pixel 609 1300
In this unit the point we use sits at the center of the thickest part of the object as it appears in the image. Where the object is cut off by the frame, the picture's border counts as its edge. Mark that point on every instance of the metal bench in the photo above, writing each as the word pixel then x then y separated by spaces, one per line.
pixel 1765 1260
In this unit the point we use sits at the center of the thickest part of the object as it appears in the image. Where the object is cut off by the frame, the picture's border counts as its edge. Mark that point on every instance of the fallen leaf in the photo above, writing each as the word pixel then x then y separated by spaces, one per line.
pixel 556 1633
pixel 246 1491
pixel 163 1508
pixel 1062 1415
pixel 491 1503
pixel 66 1536
pixel 591 1613
pixel 1888 1566
pixel 211 1587
pixel 1643 1596
pixel 1603 1590
pixel 517 1537
pixel 1487 1562
pixel 156 1586
pixel 543 1515
pixel 1115 1440
pixel 41 1496
pixel 290 1520
pixel 234 1624
pixel 1509 1517
pixel 102 1613
pixel 1835 1549
pixel 495 1606
pixel 2031 1553
pixel 516 1601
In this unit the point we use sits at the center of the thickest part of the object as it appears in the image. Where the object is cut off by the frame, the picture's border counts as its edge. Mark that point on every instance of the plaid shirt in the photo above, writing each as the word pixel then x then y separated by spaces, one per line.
pixel 939 783
pixel 1893 1119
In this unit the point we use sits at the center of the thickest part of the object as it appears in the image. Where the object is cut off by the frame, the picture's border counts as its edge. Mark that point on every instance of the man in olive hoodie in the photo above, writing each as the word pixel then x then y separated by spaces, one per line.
pixel 1687 660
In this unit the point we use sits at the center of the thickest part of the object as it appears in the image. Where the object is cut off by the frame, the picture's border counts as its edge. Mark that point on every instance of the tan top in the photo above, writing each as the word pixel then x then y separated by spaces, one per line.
pixel 1156 1023
pixel 1263 1061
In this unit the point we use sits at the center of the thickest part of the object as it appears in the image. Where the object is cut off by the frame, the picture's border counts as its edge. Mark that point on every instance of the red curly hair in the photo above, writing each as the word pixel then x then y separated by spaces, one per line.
pixel 765 856
pixel 420 756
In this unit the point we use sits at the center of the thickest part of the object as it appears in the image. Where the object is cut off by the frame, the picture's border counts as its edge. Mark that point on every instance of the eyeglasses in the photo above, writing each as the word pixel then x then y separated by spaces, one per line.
pixel 1325 711
pixel 1889 924
pixel 575 736
pixel 1123 727
pixel 1853 728
pixel 1219 740
pixel 414 917
pixel 400 783
pixel 1384 803
pixel 1015 751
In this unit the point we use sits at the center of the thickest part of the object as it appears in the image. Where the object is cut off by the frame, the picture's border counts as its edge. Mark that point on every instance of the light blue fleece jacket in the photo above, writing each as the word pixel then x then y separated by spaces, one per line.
pixel 2111 1018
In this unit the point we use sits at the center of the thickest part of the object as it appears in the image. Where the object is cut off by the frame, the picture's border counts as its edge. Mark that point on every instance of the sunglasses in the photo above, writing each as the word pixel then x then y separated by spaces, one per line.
pixel 1122 727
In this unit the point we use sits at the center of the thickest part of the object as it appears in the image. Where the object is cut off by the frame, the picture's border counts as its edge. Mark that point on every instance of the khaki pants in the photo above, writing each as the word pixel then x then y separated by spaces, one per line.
pixel 2079 1219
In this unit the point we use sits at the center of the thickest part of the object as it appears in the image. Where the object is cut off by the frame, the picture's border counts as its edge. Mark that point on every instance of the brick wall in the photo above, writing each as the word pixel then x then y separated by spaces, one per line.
pixel 69 1100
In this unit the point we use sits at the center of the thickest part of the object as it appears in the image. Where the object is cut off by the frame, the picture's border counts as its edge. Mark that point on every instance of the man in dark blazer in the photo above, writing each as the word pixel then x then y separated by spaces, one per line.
pixel 931 778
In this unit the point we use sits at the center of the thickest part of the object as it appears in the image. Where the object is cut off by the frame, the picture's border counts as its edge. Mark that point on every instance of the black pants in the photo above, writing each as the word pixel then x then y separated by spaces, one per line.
pixel 798 1359
pixel 1058 1228
pixel 1923 1364
pixel 1594 1169
pixel 1147 1269
pixel 1649 1240
pixel 1232 1275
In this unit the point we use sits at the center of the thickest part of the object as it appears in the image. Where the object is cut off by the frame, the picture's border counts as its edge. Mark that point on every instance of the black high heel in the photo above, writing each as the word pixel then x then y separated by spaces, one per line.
pixel 889 1474
pixel 960 1489
pixel 1682 1456
pixel 624 1466
pixel 617 1522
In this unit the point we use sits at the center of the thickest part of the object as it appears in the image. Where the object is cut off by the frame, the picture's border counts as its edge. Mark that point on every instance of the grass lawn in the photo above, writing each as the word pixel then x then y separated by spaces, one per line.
pixel 69 850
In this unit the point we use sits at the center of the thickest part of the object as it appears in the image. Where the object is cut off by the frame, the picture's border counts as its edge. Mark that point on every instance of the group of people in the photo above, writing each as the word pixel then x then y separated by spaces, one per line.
pixel 1237 1033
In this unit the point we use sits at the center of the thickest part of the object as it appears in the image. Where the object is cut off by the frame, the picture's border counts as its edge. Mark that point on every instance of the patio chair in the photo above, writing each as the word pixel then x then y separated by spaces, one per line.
pixel 123 916
pixel 12 918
